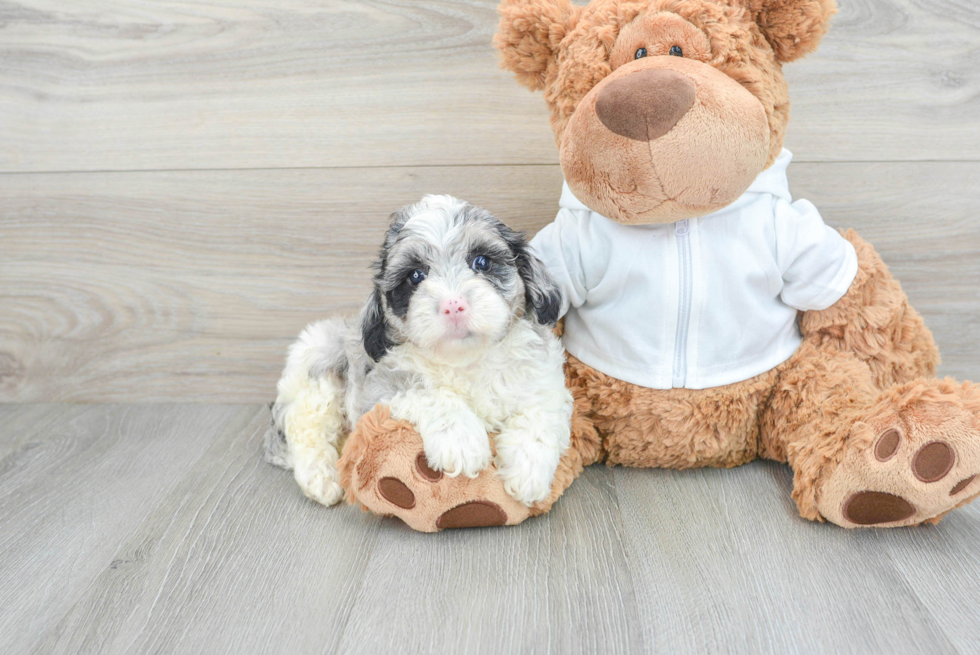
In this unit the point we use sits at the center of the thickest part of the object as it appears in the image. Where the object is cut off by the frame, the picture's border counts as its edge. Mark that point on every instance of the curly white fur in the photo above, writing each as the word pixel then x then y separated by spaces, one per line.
pixel 494 369
pixel 516 390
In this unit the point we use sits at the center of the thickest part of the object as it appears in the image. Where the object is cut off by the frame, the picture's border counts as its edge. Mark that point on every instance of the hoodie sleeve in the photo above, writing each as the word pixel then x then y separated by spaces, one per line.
pixel 817 264
pixel 560 246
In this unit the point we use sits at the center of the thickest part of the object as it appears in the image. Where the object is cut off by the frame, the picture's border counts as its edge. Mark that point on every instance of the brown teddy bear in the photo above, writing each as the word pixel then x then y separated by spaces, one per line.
pixel 711 320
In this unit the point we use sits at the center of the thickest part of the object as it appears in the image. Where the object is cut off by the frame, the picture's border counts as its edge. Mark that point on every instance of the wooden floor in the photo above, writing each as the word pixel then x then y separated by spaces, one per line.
pixel 185 185
pixel 158 529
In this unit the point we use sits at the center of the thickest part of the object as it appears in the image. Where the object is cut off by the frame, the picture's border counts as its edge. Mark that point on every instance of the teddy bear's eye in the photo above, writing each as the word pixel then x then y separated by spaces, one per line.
pixel 640 54
pixel 676 51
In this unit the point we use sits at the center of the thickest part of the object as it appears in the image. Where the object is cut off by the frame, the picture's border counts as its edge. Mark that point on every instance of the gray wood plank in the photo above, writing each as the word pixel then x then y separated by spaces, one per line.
pixel 555 584
pixel 189 286
pixel 591 600
pixel 922 218
pixel 73 494
pixel 113 85
pixel 156 528
pixel 941 566
pixel 24 426
pixel 233 560
pixel 723 563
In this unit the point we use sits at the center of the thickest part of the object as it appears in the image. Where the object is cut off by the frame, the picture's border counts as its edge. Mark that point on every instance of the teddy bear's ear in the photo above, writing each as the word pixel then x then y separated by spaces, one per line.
pixel 793 27
pixel 529 34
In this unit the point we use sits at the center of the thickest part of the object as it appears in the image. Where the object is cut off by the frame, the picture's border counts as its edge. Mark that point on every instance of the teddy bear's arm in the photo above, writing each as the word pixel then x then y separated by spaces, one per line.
pixel 817 264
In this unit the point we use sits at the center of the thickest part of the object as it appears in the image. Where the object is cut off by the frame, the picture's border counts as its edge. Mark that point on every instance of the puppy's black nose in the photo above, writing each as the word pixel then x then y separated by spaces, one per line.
pixel 646 104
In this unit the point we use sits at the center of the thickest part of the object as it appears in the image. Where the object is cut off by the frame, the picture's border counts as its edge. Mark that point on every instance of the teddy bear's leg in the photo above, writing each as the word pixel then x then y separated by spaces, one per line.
pixel 673 428
pixel 875 322
pixel 384 468
pixel 862 456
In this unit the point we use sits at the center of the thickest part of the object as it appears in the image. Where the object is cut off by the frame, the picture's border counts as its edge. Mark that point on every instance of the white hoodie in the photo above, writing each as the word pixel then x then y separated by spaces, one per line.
pixel 700 303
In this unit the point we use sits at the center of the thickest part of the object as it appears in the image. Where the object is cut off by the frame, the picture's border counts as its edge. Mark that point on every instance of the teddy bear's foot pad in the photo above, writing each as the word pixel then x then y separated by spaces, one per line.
pixel 426 499
pixel 471 514
pixel 961 485
pixel 873 507
pixel 396 492
pixel 917 469
pixel 474 514
pixel 383 468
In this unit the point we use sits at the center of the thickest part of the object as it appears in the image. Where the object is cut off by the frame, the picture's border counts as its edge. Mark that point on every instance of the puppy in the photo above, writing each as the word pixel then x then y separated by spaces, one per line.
pixel 456 339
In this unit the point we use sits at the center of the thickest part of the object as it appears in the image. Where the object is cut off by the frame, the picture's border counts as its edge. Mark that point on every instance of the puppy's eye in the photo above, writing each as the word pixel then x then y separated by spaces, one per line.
pixel 416 276
pixel 676 51
pixel 641 53
pixel 480 263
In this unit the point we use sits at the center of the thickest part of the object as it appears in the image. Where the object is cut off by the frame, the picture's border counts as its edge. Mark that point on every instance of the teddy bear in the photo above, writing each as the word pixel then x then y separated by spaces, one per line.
pixel 709 319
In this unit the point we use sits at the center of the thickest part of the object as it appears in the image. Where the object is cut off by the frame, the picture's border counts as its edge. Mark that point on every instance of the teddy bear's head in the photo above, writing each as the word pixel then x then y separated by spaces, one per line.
pixel 662 109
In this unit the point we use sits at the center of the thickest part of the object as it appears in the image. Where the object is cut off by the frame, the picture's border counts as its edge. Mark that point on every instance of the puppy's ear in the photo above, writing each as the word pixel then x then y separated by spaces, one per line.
pixel 374 328
pixel 793 28
pixel 529 34
pixel 542 297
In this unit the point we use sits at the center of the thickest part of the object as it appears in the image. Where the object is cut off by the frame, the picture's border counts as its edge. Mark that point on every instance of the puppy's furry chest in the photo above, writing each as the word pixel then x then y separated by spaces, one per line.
pixel 488 392
pixel 523 369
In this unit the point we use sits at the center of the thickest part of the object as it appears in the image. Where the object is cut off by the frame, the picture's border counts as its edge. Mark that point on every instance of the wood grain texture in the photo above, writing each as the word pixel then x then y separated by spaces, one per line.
pixel 923 220
pixel 722 563
pixel 250 154
pixel 952 552
pixel 195 283
pixel 118 85
pixel 556 586
pixel 24 424
pixel 188 286
pixel 158 528
pixel 74 491
pixel 232 560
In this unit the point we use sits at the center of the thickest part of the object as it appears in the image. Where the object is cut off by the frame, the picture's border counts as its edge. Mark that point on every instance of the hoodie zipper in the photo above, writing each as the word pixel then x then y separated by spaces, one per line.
pixel 685 273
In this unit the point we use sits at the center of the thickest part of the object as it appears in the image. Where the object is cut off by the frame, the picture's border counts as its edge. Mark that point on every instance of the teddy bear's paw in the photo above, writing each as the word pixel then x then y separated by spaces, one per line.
pixel 429 500
pixel 386 469
pixel 319 481
pixel 921 462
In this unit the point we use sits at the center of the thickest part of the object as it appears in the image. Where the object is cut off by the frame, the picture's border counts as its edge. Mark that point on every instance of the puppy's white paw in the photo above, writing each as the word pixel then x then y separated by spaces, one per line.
pixel 463 447
pixel 319 481
pixel 527 470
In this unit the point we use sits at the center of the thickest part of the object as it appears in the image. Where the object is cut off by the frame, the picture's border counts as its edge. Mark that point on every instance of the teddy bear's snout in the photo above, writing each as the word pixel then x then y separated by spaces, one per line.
pixel 646 104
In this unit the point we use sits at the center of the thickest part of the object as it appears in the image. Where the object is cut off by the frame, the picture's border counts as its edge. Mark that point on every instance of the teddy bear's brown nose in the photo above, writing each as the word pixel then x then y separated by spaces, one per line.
pixel 646 104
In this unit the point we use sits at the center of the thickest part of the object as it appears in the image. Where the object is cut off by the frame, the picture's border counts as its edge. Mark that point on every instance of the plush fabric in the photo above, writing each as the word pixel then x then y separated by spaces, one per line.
pixel 751 266
pixel 872 436
pixel 383 470
pixel 725 122
pixel 569 48
pixel 821 411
